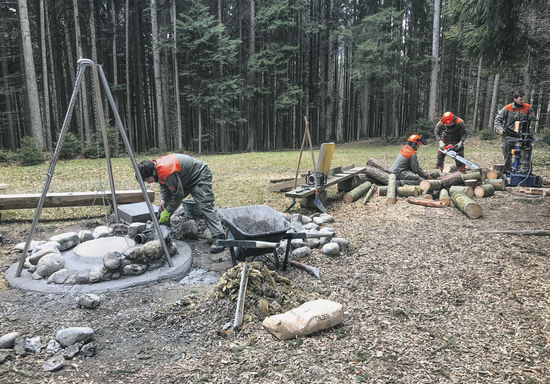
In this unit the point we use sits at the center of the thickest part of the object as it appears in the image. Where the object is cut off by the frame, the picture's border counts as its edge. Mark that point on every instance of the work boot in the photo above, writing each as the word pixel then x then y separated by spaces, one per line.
pixel 440 167
pixel 217 247
pixel 462 169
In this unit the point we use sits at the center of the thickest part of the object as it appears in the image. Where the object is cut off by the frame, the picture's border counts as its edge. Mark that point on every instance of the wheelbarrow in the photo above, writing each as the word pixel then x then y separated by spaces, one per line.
pixel 257 230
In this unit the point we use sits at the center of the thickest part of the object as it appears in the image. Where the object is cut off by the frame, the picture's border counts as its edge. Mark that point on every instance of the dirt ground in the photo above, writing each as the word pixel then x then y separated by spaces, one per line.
pixel 428 297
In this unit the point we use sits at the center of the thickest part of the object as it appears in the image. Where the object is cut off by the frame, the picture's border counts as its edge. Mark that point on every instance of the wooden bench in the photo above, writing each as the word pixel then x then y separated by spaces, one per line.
pixel 71 199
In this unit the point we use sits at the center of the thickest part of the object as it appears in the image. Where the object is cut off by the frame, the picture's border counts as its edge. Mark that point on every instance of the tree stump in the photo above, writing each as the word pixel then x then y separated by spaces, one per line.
pixel 461 189
pixel 444 197
pixel 466 205
pixel 484 190
pixel 430 185
pixel 357 192
pixel 377 175
pixel 377 164
pixel 499 184
pixel 390 194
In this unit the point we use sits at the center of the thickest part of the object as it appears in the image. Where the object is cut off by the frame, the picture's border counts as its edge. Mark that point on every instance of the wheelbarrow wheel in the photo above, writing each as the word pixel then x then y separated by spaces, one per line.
pixel 234 251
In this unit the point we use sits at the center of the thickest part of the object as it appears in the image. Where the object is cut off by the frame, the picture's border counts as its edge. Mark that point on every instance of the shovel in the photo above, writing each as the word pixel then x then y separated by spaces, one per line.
pixel 318 203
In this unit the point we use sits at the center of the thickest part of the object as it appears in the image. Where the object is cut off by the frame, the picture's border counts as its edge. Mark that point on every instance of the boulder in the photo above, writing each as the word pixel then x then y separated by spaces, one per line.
pixel 61 276
pixel 152 250
pixel 342 243
pixel 102 231
pixel 85 235
pixel 36 256
pixel 301 252
pixel 72 335
pixel 331 249
pixel 112 260
pixel 54 363
pixel 66 240
pixel 7 341
pixel 134 269
pixel 89 301
pixel 50 263
pixel 135 228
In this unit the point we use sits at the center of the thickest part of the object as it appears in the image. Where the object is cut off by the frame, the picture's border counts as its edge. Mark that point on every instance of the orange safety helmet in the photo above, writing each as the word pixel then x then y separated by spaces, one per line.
pixel 448 118
pixel 417 139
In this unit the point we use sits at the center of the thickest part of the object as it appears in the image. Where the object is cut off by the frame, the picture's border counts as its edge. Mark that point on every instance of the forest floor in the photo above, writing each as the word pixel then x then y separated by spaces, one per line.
pixel 428 297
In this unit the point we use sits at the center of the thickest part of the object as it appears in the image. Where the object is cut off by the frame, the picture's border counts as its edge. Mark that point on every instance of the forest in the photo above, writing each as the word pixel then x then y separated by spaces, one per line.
pixel 224 76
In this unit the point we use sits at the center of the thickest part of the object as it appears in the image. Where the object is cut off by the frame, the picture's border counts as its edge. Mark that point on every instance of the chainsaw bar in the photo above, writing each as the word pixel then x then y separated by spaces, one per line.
pixel 452 154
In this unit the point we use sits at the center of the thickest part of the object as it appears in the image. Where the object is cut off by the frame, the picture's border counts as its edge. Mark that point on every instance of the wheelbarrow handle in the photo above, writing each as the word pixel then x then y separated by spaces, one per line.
pixel 247 244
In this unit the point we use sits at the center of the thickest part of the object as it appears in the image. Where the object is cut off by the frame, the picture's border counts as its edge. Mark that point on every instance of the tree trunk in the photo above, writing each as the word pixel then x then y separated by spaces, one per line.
pixel 377 175
pixel 390 195
pixel 83 87
pixel 55 122
pixel 45 84
pixel 357 192
pixel 176 76
pixel 251 80
pixel 377 164
pixel 491 125
pixel 129 123
pixel 435 61
pixel 487 103
pixel 30 75
pixel 456 189
pixel 161 131
pixel 466 205
pixel 477 96
pixel 426 202
pixel 484 190
pixel 7 95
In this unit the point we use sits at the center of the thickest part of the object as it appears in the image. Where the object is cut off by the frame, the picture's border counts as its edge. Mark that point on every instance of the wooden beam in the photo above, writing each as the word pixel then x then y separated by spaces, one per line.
pixel 71 199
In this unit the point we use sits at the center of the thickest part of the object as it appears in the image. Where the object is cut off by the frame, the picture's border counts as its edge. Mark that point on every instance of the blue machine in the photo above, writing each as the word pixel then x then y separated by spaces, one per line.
pixel 521 175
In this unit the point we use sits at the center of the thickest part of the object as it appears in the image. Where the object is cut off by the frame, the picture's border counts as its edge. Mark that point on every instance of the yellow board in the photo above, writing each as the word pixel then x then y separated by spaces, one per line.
pixel 325 157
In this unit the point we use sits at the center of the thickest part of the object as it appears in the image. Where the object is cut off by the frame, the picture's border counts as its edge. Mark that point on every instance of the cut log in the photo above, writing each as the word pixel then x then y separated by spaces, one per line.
pixel 492 174
pixel 351 183
pixel 307 202
pixel 72 199
pixel 499 168
pixel 499 184
pixel 430 185
pixel 426 203
pixel 427 196
pixel 404 191
pixel 369 194
pixel 450 180
pixel 444 197
pixel 377 175
pixel 461 189
pixel 436 174
pixel 377 164
pixel 466 205
pixel 472 183
pixel 484 190
pixel 357 192
pixel 390 195
pixel 472 176
pixel 3 186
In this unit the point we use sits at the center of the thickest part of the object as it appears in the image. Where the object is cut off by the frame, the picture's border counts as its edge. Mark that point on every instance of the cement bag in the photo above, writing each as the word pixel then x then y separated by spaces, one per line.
pixel 309 317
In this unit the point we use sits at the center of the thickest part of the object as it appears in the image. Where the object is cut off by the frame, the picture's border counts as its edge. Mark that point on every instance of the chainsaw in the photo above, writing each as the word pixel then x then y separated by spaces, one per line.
pixel 449 150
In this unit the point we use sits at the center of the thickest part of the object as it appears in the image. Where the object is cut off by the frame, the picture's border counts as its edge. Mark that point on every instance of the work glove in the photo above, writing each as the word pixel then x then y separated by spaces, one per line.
pixel 441 144
pixel 459 145
pixel 164 217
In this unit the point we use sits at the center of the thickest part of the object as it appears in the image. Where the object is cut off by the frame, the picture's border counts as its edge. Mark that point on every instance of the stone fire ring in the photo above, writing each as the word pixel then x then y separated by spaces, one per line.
pixel 182 260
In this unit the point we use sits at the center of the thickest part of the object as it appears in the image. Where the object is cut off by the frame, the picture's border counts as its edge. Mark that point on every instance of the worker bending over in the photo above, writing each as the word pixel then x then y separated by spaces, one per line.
pixel 451 130
pixel 178 176
pixel 406 167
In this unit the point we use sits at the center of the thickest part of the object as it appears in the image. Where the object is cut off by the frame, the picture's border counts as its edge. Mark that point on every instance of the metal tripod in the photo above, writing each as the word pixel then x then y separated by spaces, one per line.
pixel 96 68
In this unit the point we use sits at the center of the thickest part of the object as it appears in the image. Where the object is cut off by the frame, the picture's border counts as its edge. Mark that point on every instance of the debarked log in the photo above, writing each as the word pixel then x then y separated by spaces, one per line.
pixel 390 194
pixel 466 205
pixel 444 197
pixel 357 192
pixel 426 202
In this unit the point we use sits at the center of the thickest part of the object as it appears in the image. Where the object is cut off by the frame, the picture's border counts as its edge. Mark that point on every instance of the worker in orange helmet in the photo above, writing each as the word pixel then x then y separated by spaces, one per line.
pixel 405 166
pixel 451 130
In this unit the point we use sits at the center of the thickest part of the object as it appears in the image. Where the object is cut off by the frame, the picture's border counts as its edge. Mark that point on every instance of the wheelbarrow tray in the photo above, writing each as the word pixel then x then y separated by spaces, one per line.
pixel 254 222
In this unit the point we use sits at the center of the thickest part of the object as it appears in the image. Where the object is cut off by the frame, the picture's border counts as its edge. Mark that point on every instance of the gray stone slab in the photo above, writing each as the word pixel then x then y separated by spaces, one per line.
pixel 136 212
pixel 183 261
